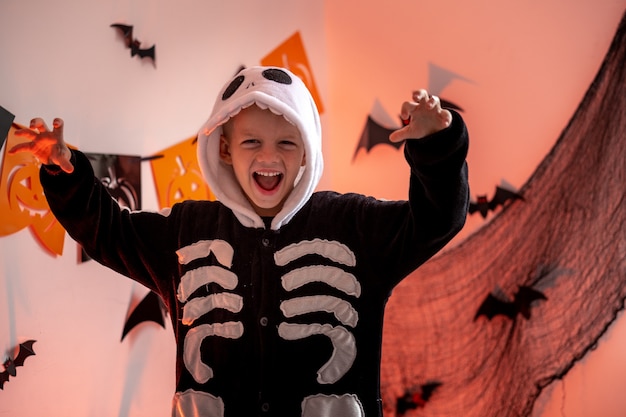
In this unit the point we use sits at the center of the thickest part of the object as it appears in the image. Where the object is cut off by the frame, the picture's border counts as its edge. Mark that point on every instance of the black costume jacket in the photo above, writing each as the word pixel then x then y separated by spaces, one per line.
pixel 281 322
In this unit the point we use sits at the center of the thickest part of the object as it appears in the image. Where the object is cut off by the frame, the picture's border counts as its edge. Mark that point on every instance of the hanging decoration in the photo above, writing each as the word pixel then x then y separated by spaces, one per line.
pixel 150 309
pixel 416 397
pixel 439 78
pixel 177 175
pixel 499 303
pixel 22 203
pixel 25 350
pixel 292 55
pixel 374 134
pixel 484 206
pixel 134 44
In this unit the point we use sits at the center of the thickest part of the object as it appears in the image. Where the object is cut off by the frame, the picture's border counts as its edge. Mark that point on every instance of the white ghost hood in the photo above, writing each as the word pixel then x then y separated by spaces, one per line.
pixel 283 93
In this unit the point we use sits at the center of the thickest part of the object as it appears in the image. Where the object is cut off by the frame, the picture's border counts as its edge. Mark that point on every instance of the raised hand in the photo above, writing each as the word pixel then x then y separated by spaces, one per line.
pixel 46 145
pixel 424 117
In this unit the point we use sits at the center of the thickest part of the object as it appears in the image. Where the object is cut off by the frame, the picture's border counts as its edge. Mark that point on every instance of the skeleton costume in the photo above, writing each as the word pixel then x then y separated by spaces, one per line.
pixel 282 316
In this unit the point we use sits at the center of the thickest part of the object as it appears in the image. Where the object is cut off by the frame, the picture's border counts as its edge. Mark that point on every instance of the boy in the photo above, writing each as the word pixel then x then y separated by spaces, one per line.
pixel 276 293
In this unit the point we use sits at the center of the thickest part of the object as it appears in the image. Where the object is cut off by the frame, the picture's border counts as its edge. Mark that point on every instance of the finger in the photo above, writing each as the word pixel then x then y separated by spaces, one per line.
pixel 21 147
pixel 25 133
pixel 57 125
pixel 420 95
pixel 446 117
pixel 39 124
pixel 66 166
pixel 406 110
pixel 399 135
pixel 434 102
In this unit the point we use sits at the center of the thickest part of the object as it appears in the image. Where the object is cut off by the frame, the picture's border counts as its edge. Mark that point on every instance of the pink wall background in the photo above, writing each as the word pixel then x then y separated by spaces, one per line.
pixel 521 70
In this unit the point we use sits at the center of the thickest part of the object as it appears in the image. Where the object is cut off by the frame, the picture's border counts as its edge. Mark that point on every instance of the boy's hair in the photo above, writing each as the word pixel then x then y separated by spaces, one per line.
pixel 283 93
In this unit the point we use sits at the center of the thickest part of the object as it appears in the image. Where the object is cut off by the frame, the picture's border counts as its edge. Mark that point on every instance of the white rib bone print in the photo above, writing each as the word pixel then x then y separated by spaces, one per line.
pixel 343 342
pixel 344 347
pixel 198 306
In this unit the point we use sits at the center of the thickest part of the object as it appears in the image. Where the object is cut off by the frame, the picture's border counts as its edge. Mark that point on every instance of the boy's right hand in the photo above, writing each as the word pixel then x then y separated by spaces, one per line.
pixel 46 145
pixel 424 116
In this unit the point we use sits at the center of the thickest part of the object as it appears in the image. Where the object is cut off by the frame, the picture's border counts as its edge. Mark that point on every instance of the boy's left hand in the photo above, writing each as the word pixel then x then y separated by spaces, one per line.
pixel 425 117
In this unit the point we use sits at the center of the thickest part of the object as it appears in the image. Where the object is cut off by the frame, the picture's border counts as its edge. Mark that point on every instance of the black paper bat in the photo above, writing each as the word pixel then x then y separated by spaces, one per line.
pixel 445 104
pixel 522 300
pixel 149 309
pixel 133 44
pixel 374 134
pixel 484 206
pixel 416 398
pixel 25 350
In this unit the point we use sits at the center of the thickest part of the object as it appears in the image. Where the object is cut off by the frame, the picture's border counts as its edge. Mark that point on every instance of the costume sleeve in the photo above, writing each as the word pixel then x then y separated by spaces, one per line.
pixel 131 244
pixel 439 190
pixel 407 234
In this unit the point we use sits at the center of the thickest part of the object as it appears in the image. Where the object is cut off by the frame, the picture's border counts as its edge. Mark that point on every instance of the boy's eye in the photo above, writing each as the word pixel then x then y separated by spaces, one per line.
pixel 250 142
pixel 288 144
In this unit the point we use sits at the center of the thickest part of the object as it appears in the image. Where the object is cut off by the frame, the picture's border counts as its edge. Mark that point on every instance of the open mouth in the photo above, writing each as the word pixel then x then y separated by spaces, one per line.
pixel 268 181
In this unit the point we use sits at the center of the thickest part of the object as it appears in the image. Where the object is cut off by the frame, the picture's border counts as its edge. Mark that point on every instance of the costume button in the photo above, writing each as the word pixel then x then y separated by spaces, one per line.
pixel 265 407
pixel 263 321
pixel 265 241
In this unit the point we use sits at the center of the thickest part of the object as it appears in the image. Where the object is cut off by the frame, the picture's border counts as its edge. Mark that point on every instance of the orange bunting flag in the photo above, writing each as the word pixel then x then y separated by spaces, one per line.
pixel 177 175
pixel 22 202
pixel 291 55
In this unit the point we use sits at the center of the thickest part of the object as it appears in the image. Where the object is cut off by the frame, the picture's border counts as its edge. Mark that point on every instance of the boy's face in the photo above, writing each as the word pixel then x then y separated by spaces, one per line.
pixel 266 153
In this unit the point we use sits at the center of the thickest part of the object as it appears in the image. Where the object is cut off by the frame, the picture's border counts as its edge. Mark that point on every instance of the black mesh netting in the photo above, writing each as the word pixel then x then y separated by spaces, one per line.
pixel 566 239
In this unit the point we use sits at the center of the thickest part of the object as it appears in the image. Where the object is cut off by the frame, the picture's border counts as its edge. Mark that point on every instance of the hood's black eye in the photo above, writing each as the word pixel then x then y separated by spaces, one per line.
pixel 275 74
pixel 232 87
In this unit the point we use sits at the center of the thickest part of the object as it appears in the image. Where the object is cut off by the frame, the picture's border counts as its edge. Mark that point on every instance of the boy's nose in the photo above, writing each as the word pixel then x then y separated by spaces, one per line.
pixel 267 154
